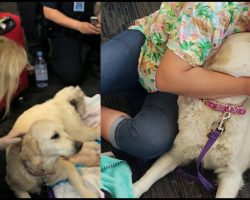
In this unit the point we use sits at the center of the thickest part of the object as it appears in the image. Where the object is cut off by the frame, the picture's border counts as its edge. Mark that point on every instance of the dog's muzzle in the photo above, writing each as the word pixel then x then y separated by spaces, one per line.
pixel 78 146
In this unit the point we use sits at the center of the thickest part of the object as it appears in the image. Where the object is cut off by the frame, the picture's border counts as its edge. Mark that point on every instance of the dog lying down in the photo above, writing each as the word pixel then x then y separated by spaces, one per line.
pixel 230 154
pixel 55 134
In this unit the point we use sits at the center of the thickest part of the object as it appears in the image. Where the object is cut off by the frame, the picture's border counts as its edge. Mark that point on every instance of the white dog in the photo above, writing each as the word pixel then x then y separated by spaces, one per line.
pixel 54 132
pixel 230 154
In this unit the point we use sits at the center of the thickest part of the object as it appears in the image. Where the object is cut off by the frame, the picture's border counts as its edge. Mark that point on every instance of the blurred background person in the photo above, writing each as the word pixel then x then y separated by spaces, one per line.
pixel 70 28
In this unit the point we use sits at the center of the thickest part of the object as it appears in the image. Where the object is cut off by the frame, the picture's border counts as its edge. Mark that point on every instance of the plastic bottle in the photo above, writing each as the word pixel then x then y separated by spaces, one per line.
pixel 41 72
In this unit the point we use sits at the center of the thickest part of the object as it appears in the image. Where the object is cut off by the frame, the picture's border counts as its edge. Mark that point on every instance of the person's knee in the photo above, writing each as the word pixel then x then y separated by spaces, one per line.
pixel 145 142
pixel 153 144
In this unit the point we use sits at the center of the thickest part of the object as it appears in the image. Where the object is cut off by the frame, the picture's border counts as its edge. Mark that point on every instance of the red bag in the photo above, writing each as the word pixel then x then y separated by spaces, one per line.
pixel 17 35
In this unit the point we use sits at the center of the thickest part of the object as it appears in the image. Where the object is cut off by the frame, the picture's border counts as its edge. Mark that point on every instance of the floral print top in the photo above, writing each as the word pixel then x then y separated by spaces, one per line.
pixel 189 29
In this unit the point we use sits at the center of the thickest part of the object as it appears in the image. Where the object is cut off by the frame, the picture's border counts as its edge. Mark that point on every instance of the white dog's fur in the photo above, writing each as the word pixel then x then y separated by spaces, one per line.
pixel 230 155
pixel 60 115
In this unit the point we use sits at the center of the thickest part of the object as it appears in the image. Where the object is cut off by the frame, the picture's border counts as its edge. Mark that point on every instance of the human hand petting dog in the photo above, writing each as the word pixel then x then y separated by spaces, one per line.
pixel 9 140
pixel 89 155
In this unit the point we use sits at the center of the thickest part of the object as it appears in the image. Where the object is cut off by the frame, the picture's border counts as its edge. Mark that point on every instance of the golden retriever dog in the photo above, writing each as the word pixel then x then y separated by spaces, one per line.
pixel 230 154
pixel 56 139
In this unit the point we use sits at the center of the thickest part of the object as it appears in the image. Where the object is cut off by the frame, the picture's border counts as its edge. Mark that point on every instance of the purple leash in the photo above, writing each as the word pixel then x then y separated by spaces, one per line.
pixel 51 194
pixel 213 136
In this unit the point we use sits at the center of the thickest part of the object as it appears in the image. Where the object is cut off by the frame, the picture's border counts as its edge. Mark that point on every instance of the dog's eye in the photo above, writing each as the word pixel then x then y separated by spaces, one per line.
pixel 55 136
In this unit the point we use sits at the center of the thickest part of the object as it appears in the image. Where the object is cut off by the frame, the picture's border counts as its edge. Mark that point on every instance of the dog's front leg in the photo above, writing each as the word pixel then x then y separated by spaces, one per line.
pixel 21 194
pixel 18 192
pixel 164 165
pixel 230 183
pixel 76 180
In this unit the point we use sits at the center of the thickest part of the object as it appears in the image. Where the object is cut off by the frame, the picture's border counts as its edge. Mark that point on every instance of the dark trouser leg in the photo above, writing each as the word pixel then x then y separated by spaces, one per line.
pixel 152 131
pixel 93 55
pixel 119 61
pixel 66 59
pixel 28 14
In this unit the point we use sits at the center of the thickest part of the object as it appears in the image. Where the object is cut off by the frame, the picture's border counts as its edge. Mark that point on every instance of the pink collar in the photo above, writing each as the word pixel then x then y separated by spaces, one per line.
pixel 32 172
pixel 233 109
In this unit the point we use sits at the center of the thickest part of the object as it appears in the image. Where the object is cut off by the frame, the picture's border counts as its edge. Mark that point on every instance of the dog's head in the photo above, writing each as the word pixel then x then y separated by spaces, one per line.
pixel 45 140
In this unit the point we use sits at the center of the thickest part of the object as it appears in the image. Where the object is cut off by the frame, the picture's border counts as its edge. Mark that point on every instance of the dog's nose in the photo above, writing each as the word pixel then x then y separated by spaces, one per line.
pixel 78 146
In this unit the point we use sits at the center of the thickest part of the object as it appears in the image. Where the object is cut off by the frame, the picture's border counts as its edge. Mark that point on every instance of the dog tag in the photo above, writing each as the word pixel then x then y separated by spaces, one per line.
pixel 79 7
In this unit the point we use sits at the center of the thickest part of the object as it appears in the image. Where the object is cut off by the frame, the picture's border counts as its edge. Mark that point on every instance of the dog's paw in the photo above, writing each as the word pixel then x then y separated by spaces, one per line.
pixel 75 97
pixel 91 195
pixel 70 93
pixel 65 92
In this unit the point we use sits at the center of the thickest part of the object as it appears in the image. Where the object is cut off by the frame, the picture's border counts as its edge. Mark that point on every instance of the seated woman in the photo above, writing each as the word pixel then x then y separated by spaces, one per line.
pixel 164 53
pixel 13 60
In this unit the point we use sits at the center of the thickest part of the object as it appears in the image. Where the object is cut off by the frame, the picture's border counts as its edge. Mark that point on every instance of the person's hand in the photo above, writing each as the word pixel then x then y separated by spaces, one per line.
pixel 9 140
pixel 88 28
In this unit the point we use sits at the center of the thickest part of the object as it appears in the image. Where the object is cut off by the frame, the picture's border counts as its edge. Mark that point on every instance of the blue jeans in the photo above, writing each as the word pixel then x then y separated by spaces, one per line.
pixel 152 131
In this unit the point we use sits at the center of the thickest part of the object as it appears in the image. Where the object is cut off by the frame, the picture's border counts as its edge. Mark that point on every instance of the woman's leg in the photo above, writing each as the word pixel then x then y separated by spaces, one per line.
pixel 119 61
pixel 151 132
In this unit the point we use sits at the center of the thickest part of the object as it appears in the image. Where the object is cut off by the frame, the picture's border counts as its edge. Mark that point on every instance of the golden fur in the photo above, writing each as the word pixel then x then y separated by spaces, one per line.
pixel 61 115
pixel 13 60
pixel 230 155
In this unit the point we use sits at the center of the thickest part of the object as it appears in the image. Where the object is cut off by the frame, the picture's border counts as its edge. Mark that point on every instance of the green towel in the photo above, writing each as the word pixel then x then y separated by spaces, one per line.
pixel 116 177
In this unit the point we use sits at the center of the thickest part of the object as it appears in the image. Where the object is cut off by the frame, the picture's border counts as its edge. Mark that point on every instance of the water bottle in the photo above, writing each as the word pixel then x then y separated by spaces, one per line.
pixel 41 71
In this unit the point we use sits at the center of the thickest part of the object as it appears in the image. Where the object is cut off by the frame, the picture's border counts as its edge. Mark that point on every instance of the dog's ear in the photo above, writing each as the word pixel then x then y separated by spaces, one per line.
pixel 30 150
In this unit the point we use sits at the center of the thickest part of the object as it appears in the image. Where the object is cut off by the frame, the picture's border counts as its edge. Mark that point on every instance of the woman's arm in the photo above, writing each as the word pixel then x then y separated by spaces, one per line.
pixel 59 18
pixel 176 76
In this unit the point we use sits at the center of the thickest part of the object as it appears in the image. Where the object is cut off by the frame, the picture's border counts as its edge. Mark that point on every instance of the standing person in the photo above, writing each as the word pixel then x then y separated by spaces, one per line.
pixel 71 27
pixel 30 14
pixel 164 52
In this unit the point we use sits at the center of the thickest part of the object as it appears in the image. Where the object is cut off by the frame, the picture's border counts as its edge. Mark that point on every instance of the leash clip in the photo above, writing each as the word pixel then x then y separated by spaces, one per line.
pixel 221 126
